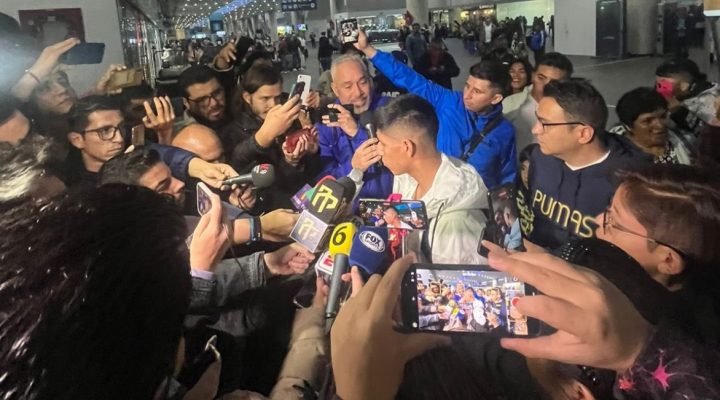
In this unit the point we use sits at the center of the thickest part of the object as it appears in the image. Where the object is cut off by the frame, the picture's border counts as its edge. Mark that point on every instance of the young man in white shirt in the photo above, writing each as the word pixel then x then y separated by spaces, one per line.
pixel 452 190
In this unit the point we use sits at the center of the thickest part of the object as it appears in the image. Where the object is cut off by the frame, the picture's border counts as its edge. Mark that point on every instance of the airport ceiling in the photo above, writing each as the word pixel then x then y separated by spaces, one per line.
pixel 186 13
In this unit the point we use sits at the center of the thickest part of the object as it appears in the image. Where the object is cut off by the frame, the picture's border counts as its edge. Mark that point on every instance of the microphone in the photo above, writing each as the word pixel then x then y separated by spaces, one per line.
pixel 368 251
pixel 340 245
pixel 261 176
pixel 373 135
pixel 327 206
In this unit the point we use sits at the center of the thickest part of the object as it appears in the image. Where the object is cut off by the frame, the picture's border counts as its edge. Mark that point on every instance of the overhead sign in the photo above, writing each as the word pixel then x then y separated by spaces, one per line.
pixel 298 5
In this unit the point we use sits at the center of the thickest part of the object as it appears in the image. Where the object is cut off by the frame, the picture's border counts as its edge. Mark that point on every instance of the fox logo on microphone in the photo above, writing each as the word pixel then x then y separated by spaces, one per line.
pixel 372 241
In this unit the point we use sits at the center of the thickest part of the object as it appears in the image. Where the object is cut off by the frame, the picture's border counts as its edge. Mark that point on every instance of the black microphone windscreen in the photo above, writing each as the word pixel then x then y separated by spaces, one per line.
pixel 349 186
pixel 263 175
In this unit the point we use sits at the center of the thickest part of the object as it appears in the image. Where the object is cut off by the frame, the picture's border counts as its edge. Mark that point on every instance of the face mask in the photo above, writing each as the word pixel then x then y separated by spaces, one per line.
pixel 665 88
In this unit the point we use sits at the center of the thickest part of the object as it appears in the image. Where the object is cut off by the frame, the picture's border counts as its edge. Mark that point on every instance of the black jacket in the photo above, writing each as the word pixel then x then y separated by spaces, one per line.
pixel 447 69
pixel 562 203
pixel 325 49
pixel 244 152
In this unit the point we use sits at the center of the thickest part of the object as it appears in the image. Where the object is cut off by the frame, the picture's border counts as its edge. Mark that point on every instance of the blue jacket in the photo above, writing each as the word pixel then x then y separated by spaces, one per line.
pixel 336 152
pixel 494 158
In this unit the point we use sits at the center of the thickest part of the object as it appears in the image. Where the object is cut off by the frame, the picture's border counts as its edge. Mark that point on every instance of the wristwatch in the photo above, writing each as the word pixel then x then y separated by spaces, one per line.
pixel 255 229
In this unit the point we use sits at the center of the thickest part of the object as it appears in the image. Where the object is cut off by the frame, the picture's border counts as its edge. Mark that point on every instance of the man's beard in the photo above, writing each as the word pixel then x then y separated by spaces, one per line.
pixel 214 125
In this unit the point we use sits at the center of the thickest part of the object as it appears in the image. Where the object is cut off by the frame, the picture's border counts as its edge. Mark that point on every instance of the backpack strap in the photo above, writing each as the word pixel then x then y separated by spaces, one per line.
pixel 478 137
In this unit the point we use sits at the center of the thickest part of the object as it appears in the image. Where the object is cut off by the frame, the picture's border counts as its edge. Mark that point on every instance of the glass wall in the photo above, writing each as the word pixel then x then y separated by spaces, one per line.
pixel 141 40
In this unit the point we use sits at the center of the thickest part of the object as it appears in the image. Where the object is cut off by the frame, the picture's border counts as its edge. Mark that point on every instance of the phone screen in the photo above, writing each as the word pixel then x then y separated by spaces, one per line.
pixel 204 204
pixel 297 89
pixel 406 214
pixel 465 299
pixel 138 135
pixel 349 30
pixel 504 227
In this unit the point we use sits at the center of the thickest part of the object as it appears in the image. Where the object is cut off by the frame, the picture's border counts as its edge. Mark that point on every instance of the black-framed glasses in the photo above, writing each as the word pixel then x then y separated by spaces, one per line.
pixel 107 133
pixel 608 224
pixel 216 95
pixel 546 124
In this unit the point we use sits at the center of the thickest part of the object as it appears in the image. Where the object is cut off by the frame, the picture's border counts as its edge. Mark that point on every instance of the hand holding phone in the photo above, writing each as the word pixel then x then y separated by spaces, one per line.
pixel 465 299
pixel 349 30
pixel 211 237
pixel 120 79
pixel 84 53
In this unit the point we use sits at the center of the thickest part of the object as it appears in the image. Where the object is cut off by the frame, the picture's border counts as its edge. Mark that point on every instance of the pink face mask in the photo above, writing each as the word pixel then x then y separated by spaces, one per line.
pixel 665 88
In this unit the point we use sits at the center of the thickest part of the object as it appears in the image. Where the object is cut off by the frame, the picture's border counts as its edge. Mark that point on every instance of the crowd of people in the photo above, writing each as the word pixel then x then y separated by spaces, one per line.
pixel 115 285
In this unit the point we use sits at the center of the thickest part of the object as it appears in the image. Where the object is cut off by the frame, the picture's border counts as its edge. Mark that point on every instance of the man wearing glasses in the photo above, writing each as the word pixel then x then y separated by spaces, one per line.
pixel 203 97
pixel 97 135
pixel 570 177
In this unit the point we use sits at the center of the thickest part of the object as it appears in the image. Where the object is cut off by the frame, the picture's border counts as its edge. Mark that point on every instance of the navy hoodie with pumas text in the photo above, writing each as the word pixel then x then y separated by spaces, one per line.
pixel 561 203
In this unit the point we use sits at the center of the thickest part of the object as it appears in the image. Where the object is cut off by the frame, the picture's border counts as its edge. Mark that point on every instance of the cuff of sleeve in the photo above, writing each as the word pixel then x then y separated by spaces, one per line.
pixel 200 274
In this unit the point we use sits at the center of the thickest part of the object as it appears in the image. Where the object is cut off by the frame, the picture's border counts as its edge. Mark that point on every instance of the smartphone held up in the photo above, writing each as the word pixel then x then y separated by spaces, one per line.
pixel 465 299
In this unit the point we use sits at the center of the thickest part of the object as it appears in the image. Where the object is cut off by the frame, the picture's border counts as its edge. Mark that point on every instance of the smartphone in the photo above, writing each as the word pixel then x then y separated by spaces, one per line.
pixel 291 139
pixel 349 30
pixel 125 78
pixel 405 214
pixel 297 89
pixel 175 102
pixel 503 229
pixel 306 80
pixel 204 204
pixel 464 299
pixel 137 138
pixel 84 53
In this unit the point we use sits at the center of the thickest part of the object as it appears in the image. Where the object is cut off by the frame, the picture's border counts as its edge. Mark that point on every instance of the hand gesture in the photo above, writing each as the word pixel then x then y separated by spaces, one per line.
pixel 103 84
pixel 289 260
pixel 313 99
pixel 313 141
pixel 227 55
pixel 596 323
pixel 366 155
pixel 210 238
pixel 162 122
pixel 364 45
pixel 369 356
pixel 50 57
pixel 294 157
pixel 243 196
pixel 212 174
pixel 277 224
pixel 345 121
pixel 278 120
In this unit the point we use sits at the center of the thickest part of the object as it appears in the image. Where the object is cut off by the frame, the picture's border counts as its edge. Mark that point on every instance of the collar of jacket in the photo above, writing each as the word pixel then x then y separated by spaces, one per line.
pixel 249 121
pixel 485 118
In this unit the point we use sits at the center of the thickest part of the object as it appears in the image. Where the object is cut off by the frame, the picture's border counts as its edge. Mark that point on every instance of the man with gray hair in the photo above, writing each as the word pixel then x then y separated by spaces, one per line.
pixel 345 147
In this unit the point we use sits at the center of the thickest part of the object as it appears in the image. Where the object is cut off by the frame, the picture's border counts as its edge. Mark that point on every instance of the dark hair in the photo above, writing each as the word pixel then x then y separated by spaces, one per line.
pixel 559 61
pixel 426 378
pixel 23 164
pixel 639 101
pixel 100 288
pixel 194 75
pixel 495 72
pixel 581 101
pixel 260 75
pixel 410 110
pixel 682 67
pixel 525 63
pixel 526 152
pixel 679 205
pixel 128 168
pixel 78 117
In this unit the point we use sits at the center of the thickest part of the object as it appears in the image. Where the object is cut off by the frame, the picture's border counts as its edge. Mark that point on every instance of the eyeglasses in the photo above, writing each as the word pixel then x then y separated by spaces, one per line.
pixel 217 95
pixel 106 133
pixel 607 224
pixel 546 124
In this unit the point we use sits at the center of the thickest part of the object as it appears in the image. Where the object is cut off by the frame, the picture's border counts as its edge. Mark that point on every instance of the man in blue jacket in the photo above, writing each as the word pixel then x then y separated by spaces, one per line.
pixel 344 146
pixel 463 116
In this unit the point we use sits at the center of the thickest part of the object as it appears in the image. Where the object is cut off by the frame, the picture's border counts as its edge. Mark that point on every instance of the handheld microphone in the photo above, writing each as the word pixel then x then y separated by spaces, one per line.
pixel 340 245
pixel 368 251
pixel 261 176
pixel 372 135
pixel 327 206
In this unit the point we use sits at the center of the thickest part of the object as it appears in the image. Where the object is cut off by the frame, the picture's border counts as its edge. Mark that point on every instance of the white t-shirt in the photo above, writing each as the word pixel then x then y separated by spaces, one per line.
pixel 488 33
